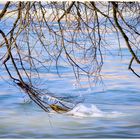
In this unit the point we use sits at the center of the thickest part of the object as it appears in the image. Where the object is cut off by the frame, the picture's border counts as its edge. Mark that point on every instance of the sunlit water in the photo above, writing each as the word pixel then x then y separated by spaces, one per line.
pixel 109 110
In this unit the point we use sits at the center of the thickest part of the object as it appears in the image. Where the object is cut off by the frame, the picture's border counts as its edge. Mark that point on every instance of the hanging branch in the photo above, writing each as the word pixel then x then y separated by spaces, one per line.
pixel 4 10
pixel 115 9
pixel 123 33
pixel 38 39
pixel 67 11
pixel 130 67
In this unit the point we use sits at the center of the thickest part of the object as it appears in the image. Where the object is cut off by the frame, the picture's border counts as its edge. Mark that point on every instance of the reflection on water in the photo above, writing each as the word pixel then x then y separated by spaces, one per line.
pixel 109 110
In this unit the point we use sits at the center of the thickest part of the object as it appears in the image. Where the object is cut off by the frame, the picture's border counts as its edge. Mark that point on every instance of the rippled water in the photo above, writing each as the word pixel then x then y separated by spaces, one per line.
pixel 109 110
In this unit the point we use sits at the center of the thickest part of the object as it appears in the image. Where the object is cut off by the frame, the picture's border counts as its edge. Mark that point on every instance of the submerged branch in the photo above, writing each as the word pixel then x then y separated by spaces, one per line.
pixel 39 98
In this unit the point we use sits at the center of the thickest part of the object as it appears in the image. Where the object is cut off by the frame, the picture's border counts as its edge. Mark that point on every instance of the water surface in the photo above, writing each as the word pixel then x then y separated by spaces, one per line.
pixel 109 110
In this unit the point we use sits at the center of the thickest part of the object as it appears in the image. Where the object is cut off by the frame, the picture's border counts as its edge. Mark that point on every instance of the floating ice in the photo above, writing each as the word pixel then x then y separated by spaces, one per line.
pixel 90 110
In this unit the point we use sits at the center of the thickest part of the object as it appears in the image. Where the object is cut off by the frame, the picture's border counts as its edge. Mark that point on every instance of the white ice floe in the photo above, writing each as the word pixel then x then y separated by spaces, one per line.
pixel 90 110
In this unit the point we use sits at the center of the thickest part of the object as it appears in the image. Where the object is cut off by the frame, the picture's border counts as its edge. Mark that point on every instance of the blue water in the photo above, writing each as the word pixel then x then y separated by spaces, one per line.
pixel 110 109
